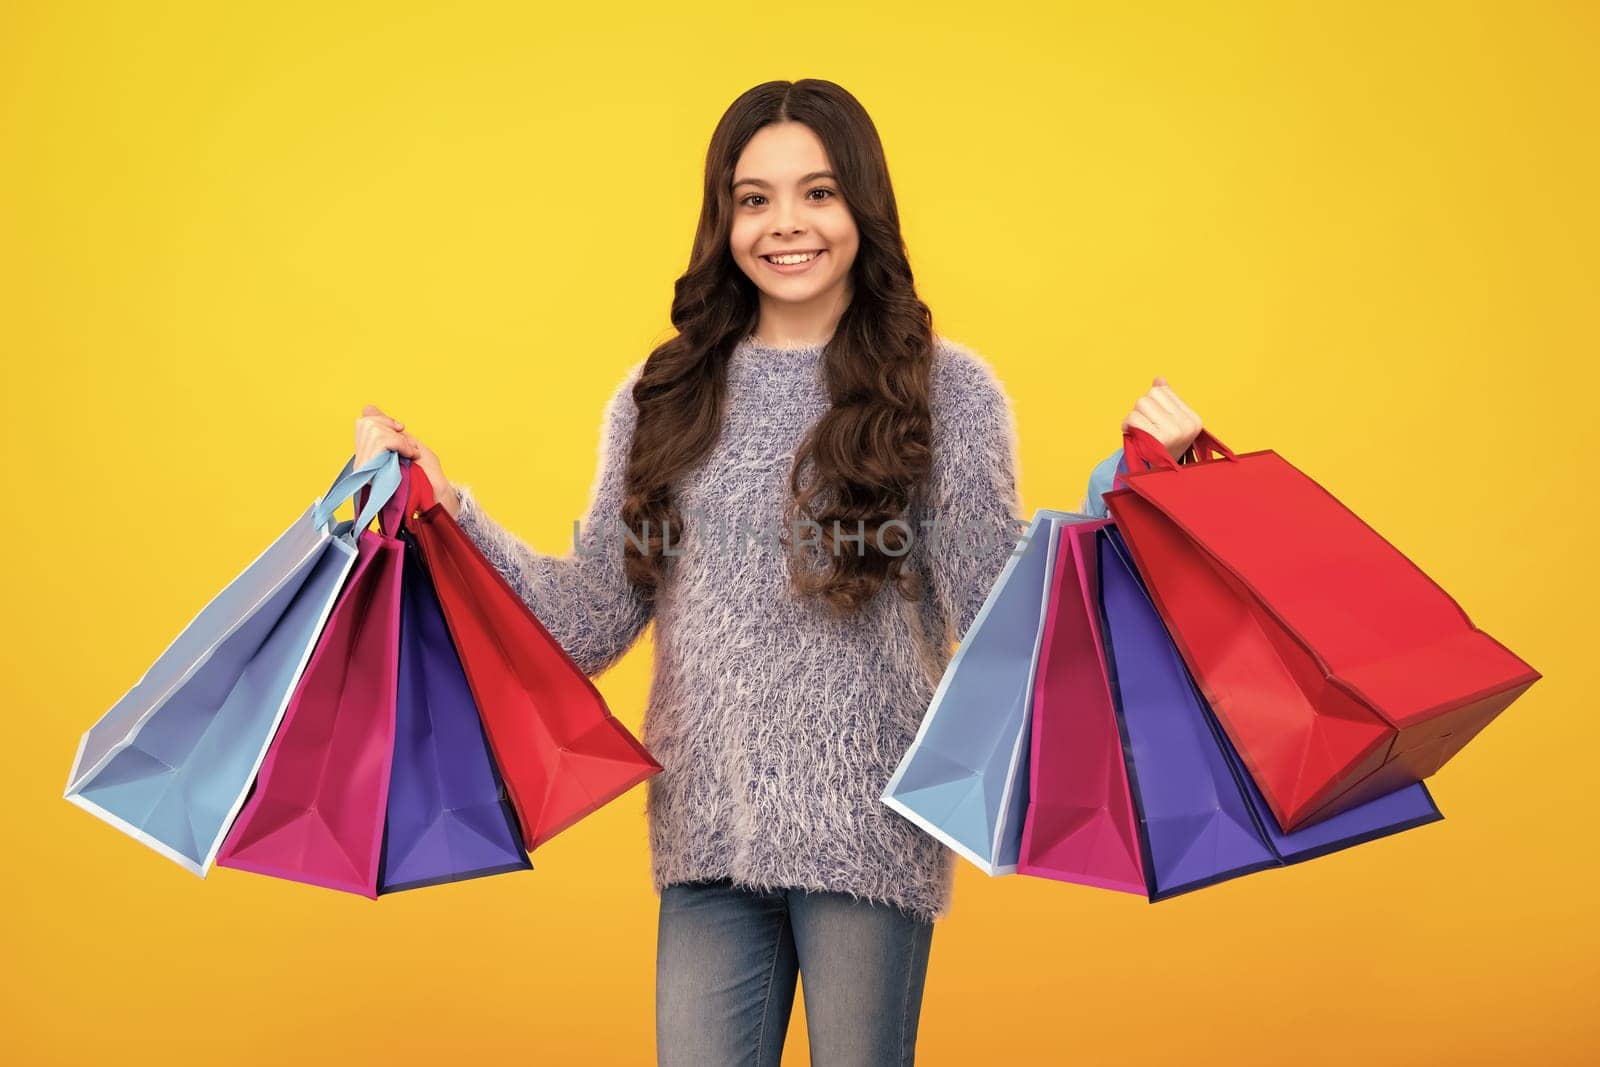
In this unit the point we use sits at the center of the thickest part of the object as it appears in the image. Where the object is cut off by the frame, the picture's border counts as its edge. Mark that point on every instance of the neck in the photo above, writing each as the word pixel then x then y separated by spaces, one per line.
pixel 800 325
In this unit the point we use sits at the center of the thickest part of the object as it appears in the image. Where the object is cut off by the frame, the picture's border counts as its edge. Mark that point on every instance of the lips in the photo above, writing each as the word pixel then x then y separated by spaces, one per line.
pixel 794 268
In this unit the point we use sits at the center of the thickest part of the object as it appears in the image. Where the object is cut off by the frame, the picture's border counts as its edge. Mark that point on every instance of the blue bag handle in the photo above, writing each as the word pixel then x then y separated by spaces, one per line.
pixel 382 472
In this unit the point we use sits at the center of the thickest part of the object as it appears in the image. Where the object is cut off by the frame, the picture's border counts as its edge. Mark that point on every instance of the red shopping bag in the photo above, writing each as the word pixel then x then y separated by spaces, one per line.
pixel 1340 671
pixel 561 752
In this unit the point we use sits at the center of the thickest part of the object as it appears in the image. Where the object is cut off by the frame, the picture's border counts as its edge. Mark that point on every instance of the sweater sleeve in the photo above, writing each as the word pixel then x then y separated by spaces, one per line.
pixel 973 503
pixel 583 598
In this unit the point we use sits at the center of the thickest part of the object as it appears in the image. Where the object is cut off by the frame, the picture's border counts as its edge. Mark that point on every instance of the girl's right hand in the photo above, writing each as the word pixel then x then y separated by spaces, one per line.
pixel 1162 414
pixel 377 432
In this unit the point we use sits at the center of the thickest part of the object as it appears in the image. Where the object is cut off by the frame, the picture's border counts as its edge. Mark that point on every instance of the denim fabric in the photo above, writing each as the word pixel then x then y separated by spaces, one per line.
pixel 727 960
pixel 1100 481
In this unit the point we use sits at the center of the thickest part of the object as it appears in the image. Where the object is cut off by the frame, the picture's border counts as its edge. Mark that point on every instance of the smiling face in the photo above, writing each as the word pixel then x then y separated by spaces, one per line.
pixel 787 206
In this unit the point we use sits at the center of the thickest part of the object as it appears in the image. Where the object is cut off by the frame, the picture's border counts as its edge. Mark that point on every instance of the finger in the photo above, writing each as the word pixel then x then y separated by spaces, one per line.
pixel 377 424
pixel 402 443
pixel 1140 421
pixel 1160 383
pixel 371 433
pixel 1157 415
pixel 382 440
pixel 373 411
pixel 1161 398
pixel 1185 423
pixel 1182 408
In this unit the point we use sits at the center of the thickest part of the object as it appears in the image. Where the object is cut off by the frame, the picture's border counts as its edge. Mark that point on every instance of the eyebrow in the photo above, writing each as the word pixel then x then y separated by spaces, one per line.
pixel 804 178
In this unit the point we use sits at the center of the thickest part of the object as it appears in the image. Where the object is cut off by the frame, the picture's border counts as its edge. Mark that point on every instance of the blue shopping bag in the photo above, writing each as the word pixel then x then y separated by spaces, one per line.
pixel 170 763
pixel 964 778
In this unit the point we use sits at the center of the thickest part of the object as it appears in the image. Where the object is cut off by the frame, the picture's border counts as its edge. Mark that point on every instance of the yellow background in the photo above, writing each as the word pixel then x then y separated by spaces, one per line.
pixel 1361 234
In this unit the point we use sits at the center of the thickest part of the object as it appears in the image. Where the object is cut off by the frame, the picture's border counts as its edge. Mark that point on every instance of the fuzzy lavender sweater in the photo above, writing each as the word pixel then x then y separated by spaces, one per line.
pixel 777 727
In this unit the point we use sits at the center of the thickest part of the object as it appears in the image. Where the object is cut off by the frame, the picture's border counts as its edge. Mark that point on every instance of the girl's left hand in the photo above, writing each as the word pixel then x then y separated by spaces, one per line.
pixel 377 432
pixel 1165 417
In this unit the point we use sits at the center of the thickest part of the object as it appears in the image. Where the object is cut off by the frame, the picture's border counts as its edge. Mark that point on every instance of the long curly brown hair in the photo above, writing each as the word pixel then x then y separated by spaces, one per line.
pixel 869 453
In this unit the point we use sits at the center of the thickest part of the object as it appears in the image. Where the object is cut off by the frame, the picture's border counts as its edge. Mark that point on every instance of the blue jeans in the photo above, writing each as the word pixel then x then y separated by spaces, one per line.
pixel 726 962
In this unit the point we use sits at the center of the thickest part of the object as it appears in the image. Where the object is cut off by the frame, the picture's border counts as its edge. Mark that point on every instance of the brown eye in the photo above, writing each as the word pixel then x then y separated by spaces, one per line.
pixel 821 190
pixel 752 196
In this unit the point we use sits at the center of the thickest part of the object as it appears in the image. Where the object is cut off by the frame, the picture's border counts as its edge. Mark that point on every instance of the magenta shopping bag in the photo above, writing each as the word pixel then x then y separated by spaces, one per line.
pixel 316 811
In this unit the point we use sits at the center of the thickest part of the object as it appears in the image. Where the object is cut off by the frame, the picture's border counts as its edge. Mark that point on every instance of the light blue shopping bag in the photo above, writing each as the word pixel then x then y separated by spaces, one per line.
pixel 172 760
pixel 965 777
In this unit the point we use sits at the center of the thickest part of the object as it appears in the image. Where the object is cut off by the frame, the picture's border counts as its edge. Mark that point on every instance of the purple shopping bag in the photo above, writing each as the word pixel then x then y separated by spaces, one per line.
pixel 448 817
pixel 1201 818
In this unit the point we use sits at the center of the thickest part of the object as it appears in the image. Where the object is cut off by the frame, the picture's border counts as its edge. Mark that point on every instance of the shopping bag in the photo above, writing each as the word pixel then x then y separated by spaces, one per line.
pixel 560 751
pixel 1339 670
pixel 964 777
pixel 1197 818
pixel 1195 824
pixel 316 811
pixel 1080 824
pixel 448 816
pixel 170 762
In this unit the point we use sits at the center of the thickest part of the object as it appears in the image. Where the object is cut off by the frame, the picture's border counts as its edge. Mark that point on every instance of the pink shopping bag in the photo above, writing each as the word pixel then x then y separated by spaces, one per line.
pixel 316 811
pixel 1080 825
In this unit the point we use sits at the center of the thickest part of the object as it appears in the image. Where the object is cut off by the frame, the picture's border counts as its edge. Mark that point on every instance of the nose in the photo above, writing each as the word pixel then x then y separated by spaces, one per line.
pixel 783 219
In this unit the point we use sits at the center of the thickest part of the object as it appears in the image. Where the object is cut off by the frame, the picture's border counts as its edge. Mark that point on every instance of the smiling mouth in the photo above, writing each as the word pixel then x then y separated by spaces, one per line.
pixel 810 255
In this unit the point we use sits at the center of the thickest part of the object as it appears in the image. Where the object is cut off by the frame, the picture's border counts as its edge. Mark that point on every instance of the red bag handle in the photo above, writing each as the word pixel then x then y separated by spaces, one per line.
pixel 420 498
pixel 1204 445
pixel 1141 449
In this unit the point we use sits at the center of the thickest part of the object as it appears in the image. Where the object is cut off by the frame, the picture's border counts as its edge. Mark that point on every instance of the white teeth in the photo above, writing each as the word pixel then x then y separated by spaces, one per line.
pixel 788 260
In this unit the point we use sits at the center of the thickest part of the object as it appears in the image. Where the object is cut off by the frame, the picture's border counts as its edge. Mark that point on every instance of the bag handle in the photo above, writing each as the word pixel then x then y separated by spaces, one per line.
pixel 420 499
pixel 393 509
pixel 1141 449
pixel 1205 446
pixel 394 512
pixel 381 472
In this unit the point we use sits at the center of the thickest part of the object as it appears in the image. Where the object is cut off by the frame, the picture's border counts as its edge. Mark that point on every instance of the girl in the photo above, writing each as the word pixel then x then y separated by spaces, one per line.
pixel 810 493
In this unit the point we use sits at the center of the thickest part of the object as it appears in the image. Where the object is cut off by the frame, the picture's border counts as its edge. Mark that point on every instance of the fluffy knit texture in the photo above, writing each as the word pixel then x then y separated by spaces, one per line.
pixel 777 726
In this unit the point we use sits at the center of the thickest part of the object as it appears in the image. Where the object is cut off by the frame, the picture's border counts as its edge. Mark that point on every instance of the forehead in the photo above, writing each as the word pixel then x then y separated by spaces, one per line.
pixel 781 154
